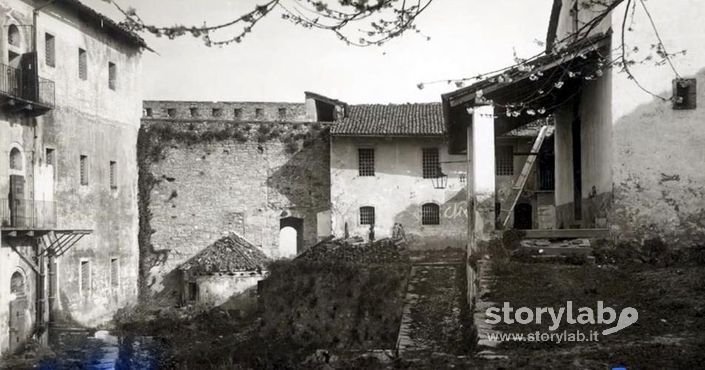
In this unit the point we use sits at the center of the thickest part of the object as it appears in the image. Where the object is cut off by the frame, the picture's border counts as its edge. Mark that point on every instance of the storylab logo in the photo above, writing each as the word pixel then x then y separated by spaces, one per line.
pixel 601 315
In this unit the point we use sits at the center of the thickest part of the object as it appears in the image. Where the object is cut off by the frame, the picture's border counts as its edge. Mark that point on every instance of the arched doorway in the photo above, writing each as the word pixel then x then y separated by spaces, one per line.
pixel 16 197
pixel 523 216
pixel 291 236
pixel 18 307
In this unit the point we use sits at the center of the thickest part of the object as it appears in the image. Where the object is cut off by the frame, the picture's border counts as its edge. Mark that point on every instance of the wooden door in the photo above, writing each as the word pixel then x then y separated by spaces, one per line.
pixel 18 215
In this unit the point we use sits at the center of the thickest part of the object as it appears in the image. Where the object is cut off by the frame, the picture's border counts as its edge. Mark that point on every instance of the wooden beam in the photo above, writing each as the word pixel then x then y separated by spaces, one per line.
pixel 27 261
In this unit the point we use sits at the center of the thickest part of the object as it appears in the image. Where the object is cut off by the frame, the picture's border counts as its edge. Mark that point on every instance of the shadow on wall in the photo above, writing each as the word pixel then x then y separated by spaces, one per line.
pixel 659 171
pixel 451 231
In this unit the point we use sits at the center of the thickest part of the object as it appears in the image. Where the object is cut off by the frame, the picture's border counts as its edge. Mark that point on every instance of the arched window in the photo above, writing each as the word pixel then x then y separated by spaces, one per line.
pixel 430 214
pixel 13 35
pixel 17 284
pixel 15 159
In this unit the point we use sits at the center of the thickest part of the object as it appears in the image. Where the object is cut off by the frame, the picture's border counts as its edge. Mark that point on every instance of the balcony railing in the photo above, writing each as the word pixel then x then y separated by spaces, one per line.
pixel 26 85
pixel 27 214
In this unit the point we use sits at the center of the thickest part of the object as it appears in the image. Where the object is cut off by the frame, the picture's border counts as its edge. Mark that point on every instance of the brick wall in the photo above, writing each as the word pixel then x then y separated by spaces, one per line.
pixel 206 179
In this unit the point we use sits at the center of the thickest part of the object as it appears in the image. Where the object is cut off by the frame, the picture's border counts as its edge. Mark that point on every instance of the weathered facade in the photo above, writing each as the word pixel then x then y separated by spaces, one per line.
pixel 68 191
pixel 390 165
pixel 257 169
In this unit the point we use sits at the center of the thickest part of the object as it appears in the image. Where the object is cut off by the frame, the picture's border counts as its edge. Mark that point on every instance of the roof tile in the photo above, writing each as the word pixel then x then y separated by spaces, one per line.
pixel 418 119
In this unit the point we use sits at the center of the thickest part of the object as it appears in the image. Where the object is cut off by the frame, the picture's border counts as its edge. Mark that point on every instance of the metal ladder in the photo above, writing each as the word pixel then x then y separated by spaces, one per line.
pixel 510 202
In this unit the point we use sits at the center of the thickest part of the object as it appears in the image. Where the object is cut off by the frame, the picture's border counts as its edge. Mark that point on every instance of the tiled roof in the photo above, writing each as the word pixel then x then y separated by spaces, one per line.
pixel 228 254
pixel 419 119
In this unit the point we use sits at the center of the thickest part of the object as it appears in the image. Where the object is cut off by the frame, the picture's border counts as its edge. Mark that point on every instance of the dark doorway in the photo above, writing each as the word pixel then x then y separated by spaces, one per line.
pixel 286 225
pixel 18 307
pixel 523 216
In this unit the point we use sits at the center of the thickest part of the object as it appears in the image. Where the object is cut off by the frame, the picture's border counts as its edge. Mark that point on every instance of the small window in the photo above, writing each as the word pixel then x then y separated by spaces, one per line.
pixel 217 112
pixel 684 93
pixel 430 214
pixel 171 112
pixel 282 113
pixel 430 163
pixel 504 160
pixel 113 175
pixel 367 215
pixel 49 157
pixel 15 159
pixel 193 111
pixel 85 278
pixel 114 272
pixel 82 64
pixel 463 178
pixel 112 76
pixel 237 113
pixel 13 35
pixel 84 170
pixel 148 112
pixel 259 112
pixel 366 160
pixel 49 50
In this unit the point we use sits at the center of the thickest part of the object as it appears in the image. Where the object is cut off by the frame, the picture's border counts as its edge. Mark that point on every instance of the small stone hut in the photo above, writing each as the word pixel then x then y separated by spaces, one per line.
pixel 222 270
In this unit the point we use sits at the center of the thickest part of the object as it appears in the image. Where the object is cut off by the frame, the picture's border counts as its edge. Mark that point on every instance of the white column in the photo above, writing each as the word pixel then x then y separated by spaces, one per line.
pixel 481 140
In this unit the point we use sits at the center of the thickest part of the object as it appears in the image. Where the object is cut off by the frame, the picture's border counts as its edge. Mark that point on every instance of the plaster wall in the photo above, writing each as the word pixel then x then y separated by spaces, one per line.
pixel 397 191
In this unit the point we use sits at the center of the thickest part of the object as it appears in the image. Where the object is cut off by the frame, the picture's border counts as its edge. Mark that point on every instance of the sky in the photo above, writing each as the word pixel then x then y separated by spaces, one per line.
pixel 278 61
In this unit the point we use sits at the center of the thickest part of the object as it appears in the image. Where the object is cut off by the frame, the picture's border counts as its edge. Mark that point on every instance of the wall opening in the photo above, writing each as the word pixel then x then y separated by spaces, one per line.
pixel 523 216
pixel 18 307
pixel 291 236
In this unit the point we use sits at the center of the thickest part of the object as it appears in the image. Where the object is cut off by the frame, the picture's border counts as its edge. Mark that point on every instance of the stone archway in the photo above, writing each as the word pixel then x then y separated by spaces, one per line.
pixel 291 236
pixel 18 309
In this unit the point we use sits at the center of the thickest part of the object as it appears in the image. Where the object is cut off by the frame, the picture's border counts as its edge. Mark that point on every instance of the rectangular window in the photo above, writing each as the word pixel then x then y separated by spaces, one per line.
pixel 282 113
pixel 49 50
pixel 49 157
pixel 217 112
pixel 367 215
pixel 193 111
pixel 112 76
pixel 237 113
pixel 259 112
pixel 430 214
pixel 684 93
pixel 113 175
pixel 171 112
pixel 85 277
pixel 82 64
pixel 148 112
pixel 504 160
pixel 430 163
pixel 84 170
pixel 114 272
pixel 191 291
pixel 366 161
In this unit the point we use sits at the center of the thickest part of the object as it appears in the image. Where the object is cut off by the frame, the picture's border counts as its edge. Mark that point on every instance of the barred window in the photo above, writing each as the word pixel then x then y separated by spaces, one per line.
pixel 49 50
pixel 366 161
pixel 82 64
pixel 430 214
pixel 504 160
pixel 85 277
pixel 367 215
pixel 430 163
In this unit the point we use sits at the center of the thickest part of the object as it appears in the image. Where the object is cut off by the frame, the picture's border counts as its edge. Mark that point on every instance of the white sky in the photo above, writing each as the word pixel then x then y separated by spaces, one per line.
pixel 278 61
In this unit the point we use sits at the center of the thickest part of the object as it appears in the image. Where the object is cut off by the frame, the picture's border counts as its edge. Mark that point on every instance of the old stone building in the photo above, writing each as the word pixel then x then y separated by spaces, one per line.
pixel 257 169
pixel 68 192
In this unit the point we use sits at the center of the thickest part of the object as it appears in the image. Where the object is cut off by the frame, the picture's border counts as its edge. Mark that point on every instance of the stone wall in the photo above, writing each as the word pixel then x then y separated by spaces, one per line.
pixel 202 180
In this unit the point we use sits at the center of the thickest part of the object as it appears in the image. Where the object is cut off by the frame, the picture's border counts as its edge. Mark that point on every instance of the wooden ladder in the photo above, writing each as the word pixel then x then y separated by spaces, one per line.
pixel 510 202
